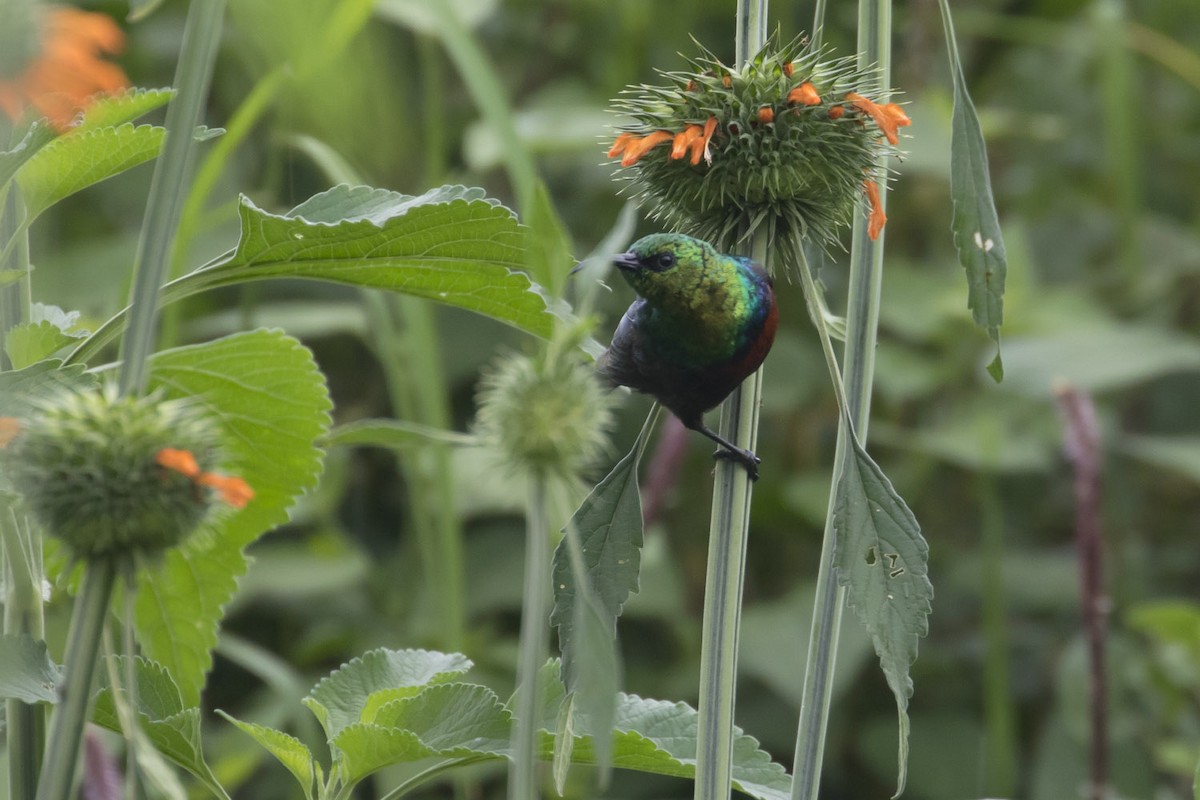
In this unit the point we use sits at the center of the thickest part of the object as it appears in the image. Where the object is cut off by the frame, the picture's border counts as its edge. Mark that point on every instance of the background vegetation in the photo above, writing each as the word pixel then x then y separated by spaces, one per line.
pixel 1091 111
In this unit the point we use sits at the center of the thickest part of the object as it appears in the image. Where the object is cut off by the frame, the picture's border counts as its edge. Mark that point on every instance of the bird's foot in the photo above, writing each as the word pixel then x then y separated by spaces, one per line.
pixel 744 457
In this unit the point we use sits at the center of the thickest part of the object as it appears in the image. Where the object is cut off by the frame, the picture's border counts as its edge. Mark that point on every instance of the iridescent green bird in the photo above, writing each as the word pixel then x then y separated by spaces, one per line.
pixel 703 321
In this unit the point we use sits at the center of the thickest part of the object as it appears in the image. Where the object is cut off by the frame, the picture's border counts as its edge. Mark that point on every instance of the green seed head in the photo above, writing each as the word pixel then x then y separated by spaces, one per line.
pixel 786 140
pixel 545 416
pixel 85 465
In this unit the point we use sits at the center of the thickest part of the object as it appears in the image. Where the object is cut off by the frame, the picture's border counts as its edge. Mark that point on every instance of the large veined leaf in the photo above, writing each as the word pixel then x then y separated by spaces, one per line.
pixel 79 159
pixel 451 245
pixel 271 404
pixel 117 109
pixel 171 725
pixel 882 560
pixel 590 590
pixel 356 691
pixel 26 671
pixel 976 226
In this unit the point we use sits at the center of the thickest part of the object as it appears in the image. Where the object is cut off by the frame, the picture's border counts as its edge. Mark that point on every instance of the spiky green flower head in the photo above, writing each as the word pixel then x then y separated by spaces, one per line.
pixel 545 415
pixel 790 140
pixel 91 470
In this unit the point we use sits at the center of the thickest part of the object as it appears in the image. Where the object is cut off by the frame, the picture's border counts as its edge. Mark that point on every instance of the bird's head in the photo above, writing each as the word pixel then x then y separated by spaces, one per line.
pixel 662 265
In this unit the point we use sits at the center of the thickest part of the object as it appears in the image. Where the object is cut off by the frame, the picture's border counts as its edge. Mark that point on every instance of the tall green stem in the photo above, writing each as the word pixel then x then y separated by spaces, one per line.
pixel 862 322
pixel 729 527
pixel 168 187
pixel 535 610
pixel 25 723
pixel 14 297
pixel 70 716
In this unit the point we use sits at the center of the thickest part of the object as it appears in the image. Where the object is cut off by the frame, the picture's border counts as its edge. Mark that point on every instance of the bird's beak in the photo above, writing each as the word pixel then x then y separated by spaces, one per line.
pixel 627 261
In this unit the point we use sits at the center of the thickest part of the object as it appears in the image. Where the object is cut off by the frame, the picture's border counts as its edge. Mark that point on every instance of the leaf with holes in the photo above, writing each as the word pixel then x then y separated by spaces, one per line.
pixel 266 394
pixel 882 560
pixel 976 226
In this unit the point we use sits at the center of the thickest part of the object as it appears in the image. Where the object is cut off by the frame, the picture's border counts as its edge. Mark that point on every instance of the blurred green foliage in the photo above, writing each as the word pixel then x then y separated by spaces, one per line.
pixel 1091 109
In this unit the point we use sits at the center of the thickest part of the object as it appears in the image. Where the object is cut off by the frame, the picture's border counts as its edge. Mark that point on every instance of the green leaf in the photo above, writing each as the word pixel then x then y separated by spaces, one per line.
pixel 396 434
pixel 1180 454
pixel 976 226
pixel 270 400
pixel 289 750
pixel 20 389
pixel 452 719
pixel 172 726
pixel 33 341
pixel 589 596
pixel 26 671
pixel 364 748
pixel 450 245
pixel 39 134
pixel 659 737
pixel 882 559
pixel 354 692
pixel 117 109
pixel 79 159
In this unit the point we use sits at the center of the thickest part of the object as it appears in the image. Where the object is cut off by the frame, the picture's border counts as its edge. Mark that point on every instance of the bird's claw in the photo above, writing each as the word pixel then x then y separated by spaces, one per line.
pixel 744 457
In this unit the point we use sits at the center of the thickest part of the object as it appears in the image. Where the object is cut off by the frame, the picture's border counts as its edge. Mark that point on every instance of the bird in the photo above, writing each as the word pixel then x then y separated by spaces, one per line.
pixel 701 323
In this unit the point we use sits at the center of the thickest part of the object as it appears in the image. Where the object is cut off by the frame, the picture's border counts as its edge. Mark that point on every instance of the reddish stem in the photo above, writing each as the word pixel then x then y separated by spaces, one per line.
pixel 1082 447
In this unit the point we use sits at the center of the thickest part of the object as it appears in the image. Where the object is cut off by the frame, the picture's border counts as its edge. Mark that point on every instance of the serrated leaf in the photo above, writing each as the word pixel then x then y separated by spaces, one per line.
pixel 976 226
pixel 172 726
pixel 882 560
pixel 288 750
pixel 26 671
pixel 364 748
pixel 450 245
pixel 587 602
pixel 39 134
pixel 31 342
pixel 20 389
pixel 365 684
pixel 109 111
pixel 659 737
pixel 453 719
pixel 396 434
pixel 79 159
pixel 271 403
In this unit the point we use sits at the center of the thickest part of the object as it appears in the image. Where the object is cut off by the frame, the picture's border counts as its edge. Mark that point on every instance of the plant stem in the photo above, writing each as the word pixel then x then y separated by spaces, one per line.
pixel 14 298
pixel 25 726
pixel 201 37
pixel 83 644
pixel 535 610
pixel 862 322
pixel 728 535
pixel 1000 774
pixel 1082 446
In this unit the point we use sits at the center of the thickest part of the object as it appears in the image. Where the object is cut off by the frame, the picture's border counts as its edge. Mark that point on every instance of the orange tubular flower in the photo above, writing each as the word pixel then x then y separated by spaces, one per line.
pixel 804 94
pixel 877 219
pixel 180 461
pixel 700 145
pixel 888 117
pixel 766 114
pixel 837 112
pixel 636 148
pixel 69 70
pixel 9 428
pixel 234 491
pixel 620 144
pixel 684 139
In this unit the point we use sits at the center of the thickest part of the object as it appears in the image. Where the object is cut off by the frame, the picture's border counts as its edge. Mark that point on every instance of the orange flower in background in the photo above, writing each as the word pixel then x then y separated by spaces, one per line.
pixel 234 491
pixel 69 68
pixel 9 428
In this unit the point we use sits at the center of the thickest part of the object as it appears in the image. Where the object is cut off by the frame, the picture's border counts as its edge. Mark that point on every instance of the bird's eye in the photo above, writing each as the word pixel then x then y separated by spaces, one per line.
pixel 666 260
